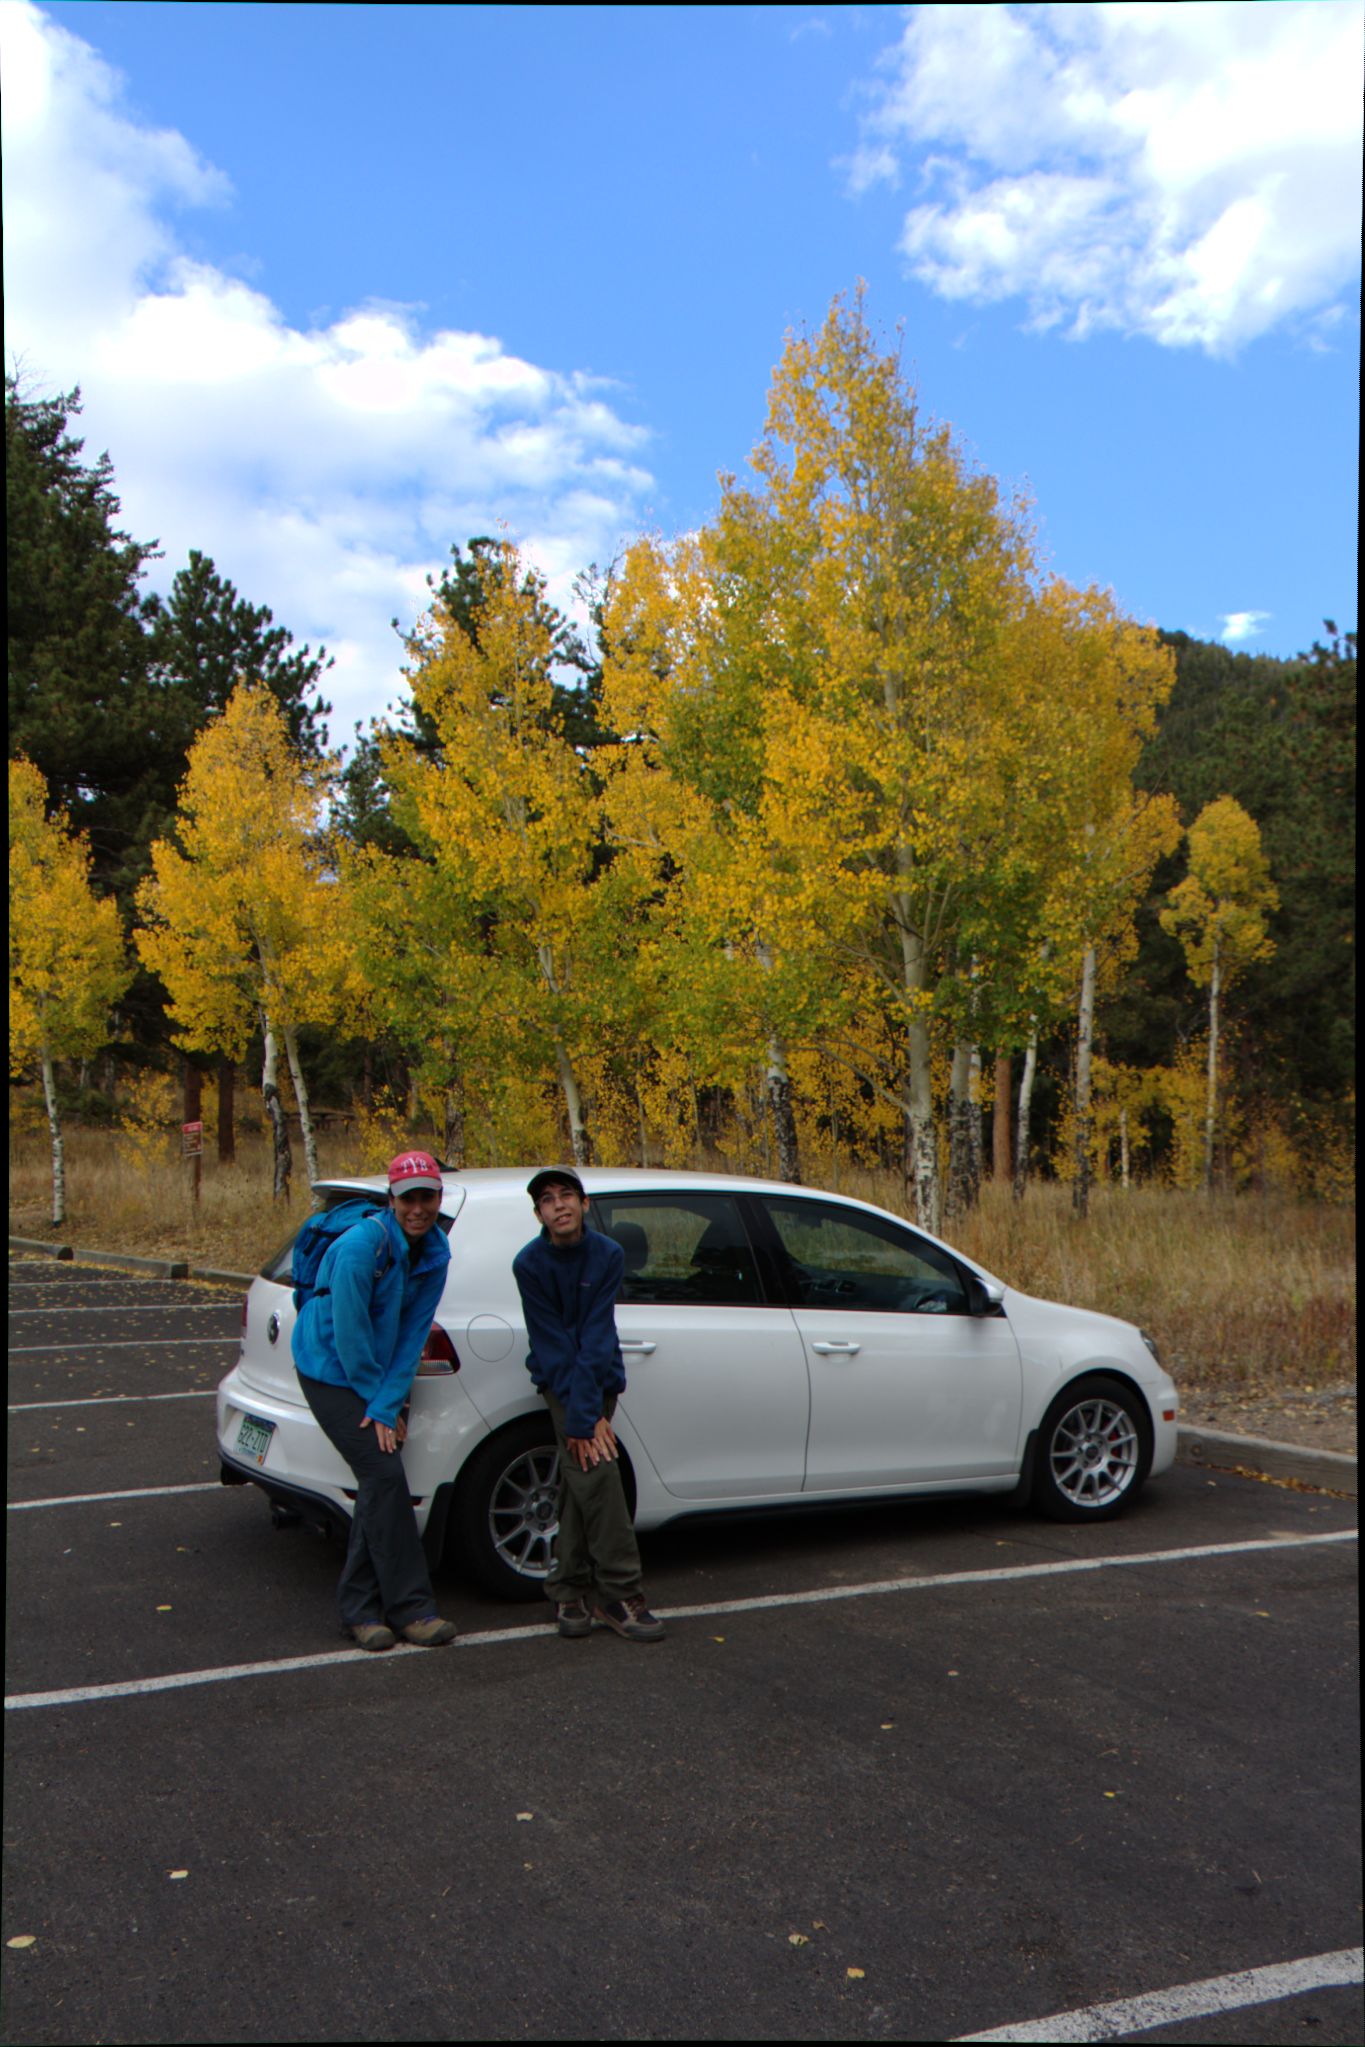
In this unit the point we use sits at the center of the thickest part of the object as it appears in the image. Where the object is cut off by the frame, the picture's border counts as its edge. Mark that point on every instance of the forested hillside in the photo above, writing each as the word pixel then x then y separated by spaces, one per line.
pixel 834 834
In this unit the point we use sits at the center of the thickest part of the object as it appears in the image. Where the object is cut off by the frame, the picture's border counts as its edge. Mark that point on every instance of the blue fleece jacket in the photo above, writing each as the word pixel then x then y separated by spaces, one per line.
pixel 368 1332
pixel 569 1300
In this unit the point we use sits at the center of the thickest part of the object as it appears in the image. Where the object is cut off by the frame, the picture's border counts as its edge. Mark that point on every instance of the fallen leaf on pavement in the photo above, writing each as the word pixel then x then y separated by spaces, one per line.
pixel 22 1940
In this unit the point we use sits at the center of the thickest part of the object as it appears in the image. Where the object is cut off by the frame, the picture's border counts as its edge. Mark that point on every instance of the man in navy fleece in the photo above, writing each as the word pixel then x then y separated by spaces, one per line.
pixel 568 1278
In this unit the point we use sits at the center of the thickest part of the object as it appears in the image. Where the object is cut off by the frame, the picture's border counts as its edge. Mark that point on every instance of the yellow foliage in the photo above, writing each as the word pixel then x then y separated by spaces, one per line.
pixel 1219 910
pixel 247 915
pixel 67 966
pixel 149 1120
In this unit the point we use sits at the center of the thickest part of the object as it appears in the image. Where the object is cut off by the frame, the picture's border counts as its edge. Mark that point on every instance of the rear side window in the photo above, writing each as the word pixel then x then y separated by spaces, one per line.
pixel 688 1250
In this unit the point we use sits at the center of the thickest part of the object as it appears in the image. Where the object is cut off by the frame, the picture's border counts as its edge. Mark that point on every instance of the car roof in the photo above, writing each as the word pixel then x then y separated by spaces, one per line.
pixel 503 1183
pixel 596 1179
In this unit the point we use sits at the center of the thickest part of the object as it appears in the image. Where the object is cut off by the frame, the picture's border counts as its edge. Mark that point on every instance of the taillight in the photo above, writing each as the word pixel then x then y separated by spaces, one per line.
pixel 438 1358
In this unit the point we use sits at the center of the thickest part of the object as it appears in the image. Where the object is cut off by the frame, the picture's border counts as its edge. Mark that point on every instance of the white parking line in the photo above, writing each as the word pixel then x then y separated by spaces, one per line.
pixel 113 1399
pixel 146 1492
pixel 80 1279
pixel 1242 1988
pixel 127 1688
pixel 133 1308
pixel 37 1350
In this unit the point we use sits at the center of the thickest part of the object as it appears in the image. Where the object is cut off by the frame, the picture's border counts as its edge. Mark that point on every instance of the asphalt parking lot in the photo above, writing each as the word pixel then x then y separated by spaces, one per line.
pixel 924 1771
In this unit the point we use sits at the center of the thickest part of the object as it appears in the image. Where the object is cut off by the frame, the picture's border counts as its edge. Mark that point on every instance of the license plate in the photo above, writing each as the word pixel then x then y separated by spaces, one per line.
pixel 253 1437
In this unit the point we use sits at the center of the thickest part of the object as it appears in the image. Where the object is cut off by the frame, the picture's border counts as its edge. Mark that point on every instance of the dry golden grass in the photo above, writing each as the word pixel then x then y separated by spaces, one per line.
pixel 1244 1295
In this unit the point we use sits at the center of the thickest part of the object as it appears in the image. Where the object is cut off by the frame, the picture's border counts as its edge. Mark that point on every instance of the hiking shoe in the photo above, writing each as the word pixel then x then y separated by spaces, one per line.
pixel 573 1619
pixel 631 1618
pixel 374 1635
pixel 431 1633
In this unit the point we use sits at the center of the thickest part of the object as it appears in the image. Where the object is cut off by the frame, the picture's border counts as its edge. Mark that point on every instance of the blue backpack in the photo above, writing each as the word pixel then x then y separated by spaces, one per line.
pixel 317 1237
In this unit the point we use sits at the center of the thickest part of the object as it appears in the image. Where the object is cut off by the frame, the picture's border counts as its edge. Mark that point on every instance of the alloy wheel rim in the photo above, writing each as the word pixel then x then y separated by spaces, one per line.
pixel 523 1513
pixel 1094 1453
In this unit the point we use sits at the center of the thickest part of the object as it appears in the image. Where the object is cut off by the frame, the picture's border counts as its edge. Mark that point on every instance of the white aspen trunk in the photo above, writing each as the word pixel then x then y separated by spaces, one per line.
pixel 959 1133
pixel 778 1088
pixel 274 1108
pixel 54 1124
pixel 921 1136
pixel 1211 1103
pixel 568 1079
pixel 1123 1145
pixel 1080 1191
pixel 573 1104
pixel 974 1123
pixel 1025 1107
pixel 310 1147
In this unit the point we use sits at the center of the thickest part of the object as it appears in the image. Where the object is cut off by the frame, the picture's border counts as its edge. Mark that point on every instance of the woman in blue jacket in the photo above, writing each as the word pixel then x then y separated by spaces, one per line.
pixel 357 1342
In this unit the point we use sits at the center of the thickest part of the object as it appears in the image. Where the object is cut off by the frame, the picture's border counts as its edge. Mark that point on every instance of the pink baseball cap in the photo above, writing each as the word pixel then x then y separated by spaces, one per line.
pixel 413 1169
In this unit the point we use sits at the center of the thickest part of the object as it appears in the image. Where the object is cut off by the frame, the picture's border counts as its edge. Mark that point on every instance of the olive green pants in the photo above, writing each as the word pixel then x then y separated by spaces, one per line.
pixel 596 1555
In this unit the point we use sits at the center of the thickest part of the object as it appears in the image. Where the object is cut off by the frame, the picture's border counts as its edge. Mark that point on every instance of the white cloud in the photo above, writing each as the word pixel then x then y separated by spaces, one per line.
pixel 326 470
pixel 1189 172
pixel 1242 625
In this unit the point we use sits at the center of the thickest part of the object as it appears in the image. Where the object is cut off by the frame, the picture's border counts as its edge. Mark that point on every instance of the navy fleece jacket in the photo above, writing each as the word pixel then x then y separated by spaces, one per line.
pixel 569 1300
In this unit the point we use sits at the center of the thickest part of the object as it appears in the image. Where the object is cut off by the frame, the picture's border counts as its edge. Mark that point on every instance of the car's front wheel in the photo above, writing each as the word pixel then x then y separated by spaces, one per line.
pixel 1094 1450
pixel 507 1511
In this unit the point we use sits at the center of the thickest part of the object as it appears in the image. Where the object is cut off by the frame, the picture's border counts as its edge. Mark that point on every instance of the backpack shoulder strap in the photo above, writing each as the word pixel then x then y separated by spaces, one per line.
pixel 383 1257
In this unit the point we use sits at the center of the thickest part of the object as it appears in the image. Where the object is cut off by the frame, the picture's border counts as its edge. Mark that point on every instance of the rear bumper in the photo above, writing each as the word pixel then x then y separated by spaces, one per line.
pixel 330 1518
pixel 316 1508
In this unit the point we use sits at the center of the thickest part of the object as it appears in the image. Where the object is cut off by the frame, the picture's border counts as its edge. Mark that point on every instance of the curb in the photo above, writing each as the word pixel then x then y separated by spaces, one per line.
pixel 1219 1451
pixel 157 1268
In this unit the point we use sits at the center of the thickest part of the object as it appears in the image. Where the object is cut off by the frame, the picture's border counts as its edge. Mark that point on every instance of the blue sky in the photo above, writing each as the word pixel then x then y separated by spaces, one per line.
pixel 345 285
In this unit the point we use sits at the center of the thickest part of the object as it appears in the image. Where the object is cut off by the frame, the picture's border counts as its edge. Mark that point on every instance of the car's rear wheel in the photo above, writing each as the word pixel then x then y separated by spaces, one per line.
pixel 506 1512
pixel 1094 1450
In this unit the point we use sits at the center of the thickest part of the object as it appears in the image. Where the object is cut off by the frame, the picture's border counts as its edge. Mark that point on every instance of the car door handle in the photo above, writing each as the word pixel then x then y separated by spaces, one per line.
pixel 636 1343
pixel 844 1350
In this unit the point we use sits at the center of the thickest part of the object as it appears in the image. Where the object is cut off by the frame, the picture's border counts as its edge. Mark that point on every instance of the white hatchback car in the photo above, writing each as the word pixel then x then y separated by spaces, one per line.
pixel 782 1346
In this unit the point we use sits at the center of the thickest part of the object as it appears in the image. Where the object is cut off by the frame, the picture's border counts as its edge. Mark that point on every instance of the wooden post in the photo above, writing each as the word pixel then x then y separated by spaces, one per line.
pixel 194 1105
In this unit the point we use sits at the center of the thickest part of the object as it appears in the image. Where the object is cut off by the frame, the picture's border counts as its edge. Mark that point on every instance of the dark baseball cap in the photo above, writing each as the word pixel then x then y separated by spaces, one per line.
pixel 555 1176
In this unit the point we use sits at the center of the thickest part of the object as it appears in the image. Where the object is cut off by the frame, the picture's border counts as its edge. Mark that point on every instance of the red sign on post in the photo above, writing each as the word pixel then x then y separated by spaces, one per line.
pixel 191 1140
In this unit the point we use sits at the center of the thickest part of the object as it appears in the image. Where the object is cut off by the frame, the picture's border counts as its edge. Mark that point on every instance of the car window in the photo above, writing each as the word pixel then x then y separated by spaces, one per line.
pixel 838 1257
pixel 687 1250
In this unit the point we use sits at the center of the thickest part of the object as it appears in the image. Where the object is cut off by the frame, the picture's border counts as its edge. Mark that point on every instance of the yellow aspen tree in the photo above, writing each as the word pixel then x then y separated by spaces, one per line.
pixel 906 764
pixel 511 813
pixel 426 977
pixel 891 571
pixel 67 959
pixel 242 920
pixel 688 666
pixel 1219 913
pixel 1081 843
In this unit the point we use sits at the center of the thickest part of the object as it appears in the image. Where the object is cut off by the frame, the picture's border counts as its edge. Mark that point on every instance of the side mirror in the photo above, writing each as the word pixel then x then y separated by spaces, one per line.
pixel 987 1295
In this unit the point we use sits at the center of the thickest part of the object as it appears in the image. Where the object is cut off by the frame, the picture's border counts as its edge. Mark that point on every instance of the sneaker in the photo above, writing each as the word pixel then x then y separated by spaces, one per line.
pixel 431 1633
pixel 572 1618
pixel 373 1635
pixel 631 1618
